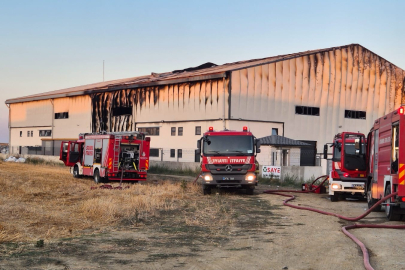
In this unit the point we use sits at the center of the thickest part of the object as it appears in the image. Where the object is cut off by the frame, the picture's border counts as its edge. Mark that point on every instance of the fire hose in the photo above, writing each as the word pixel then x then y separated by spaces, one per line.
pixel 345 229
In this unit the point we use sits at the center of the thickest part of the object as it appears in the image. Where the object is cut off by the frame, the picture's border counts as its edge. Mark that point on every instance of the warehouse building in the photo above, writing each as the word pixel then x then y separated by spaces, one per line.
pixel 307 96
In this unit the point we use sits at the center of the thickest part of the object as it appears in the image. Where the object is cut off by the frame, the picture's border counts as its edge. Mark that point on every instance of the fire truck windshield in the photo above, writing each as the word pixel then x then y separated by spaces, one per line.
pixel 354 152
pixel 228 145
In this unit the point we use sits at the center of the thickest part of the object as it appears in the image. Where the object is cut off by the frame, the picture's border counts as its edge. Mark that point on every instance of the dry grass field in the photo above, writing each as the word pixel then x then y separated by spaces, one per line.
pixel 46 202
pixel 50 220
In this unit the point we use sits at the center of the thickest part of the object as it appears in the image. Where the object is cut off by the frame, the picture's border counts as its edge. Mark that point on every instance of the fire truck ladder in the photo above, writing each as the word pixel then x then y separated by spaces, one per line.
pixel 116 158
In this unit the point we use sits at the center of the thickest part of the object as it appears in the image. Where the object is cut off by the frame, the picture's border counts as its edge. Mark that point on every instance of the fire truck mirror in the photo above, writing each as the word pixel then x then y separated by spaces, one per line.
pixel 258 144
pixel 325 151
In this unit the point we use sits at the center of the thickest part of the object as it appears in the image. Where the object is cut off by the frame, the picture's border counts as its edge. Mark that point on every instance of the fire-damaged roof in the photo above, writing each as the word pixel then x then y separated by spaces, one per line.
pixel 278 141
pixel 203 72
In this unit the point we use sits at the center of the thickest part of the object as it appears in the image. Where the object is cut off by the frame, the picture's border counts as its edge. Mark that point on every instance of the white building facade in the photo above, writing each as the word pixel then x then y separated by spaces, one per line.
pixel 308 96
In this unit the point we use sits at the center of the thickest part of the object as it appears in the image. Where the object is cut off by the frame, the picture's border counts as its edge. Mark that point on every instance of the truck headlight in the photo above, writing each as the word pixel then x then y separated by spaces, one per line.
pixel 336 186
pixel 207 177
pixel 250 177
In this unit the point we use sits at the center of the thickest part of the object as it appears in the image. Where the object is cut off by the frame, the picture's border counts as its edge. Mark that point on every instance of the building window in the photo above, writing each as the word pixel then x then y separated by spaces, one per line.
pixel 303 110
pixel 62 115
pixel 173 129
pixel 45 133
pixel 117 111
pixel 172 153
pixel 180 131
pixel 179 153
pixel 32 133
pixel 274 131
pixel 154 152
pixel 355 114
pixel 152 131
pixel 28 133
pixel 20 133
pixel 198 130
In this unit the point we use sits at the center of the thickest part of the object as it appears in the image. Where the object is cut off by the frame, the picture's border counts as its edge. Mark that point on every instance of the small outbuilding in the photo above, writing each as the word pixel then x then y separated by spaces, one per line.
pixel 280 151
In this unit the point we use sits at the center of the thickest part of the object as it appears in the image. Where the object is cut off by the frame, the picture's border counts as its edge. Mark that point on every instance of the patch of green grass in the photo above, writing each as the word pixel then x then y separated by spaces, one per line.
pixel 170 171
pixel 40 161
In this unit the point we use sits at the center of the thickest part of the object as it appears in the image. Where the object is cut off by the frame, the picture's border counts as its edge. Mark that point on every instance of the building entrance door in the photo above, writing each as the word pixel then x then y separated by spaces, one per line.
pixel 308 154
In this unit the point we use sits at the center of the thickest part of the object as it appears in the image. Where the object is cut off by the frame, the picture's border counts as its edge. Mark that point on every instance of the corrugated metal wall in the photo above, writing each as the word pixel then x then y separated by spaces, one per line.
pixel 349 78
pixel 31 114
pixel 177 102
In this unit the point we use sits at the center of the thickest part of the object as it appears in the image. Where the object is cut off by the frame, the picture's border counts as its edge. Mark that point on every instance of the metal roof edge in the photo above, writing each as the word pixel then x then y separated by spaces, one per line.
pixel 311 52
pixel 163 82
pixel 117 87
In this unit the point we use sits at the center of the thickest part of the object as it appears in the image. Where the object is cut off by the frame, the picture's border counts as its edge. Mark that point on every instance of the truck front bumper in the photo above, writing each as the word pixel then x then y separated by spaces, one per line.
pixel 346 187
pixel 229 180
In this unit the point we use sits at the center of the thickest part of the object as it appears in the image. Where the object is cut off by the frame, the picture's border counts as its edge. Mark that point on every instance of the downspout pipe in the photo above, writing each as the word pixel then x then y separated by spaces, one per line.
pixel 53 117
pixel 9 128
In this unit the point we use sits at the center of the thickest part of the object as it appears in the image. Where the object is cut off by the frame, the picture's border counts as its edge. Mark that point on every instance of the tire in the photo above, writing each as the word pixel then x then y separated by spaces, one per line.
pixel 334 198
pixel 250 191
pixel 390 211
pixel 97 178
pixel 76 172
pixel 371 201
pixel 206 190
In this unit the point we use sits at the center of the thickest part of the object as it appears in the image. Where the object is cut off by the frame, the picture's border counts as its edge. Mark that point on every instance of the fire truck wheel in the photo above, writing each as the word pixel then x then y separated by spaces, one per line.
pixel 206 190
pixel 371 201
pixel 390 210
pixel 97 177
pixel 76 172
pixel 250 191
pixel 334 198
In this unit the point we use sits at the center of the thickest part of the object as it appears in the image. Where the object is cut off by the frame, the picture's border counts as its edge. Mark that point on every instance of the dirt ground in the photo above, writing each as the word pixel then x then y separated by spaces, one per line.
pixel 261 234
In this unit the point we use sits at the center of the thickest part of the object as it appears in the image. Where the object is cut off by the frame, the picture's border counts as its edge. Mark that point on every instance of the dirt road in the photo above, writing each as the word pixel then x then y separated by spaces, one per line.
pixel 261 234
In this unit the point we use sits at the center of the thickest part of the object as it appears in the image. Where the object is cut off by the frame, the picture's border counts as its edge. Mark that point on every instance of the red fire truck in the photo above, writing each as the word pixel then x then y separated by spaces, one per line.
pixel 347 177
pixel 108 156
pixel 386 163
pixel 228 159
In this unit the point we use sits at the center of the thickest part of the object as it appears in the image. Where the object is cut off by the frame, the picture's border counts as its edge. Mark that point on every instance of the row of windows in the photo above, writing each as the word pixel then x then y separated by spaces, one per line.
pixel 314 111
pixel 154 152
pixel 173 153
pixel 155 131
pixel 151 131
pixel 42 133
pixel 117 111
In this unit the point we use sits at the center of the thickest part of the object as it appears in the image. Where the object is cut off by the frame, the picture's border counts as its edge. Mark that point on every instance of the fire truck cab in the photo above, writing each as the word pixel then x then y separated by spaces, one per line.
pixel 228 159
pixel 386 163
pixel 108 156
pixel 347 177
